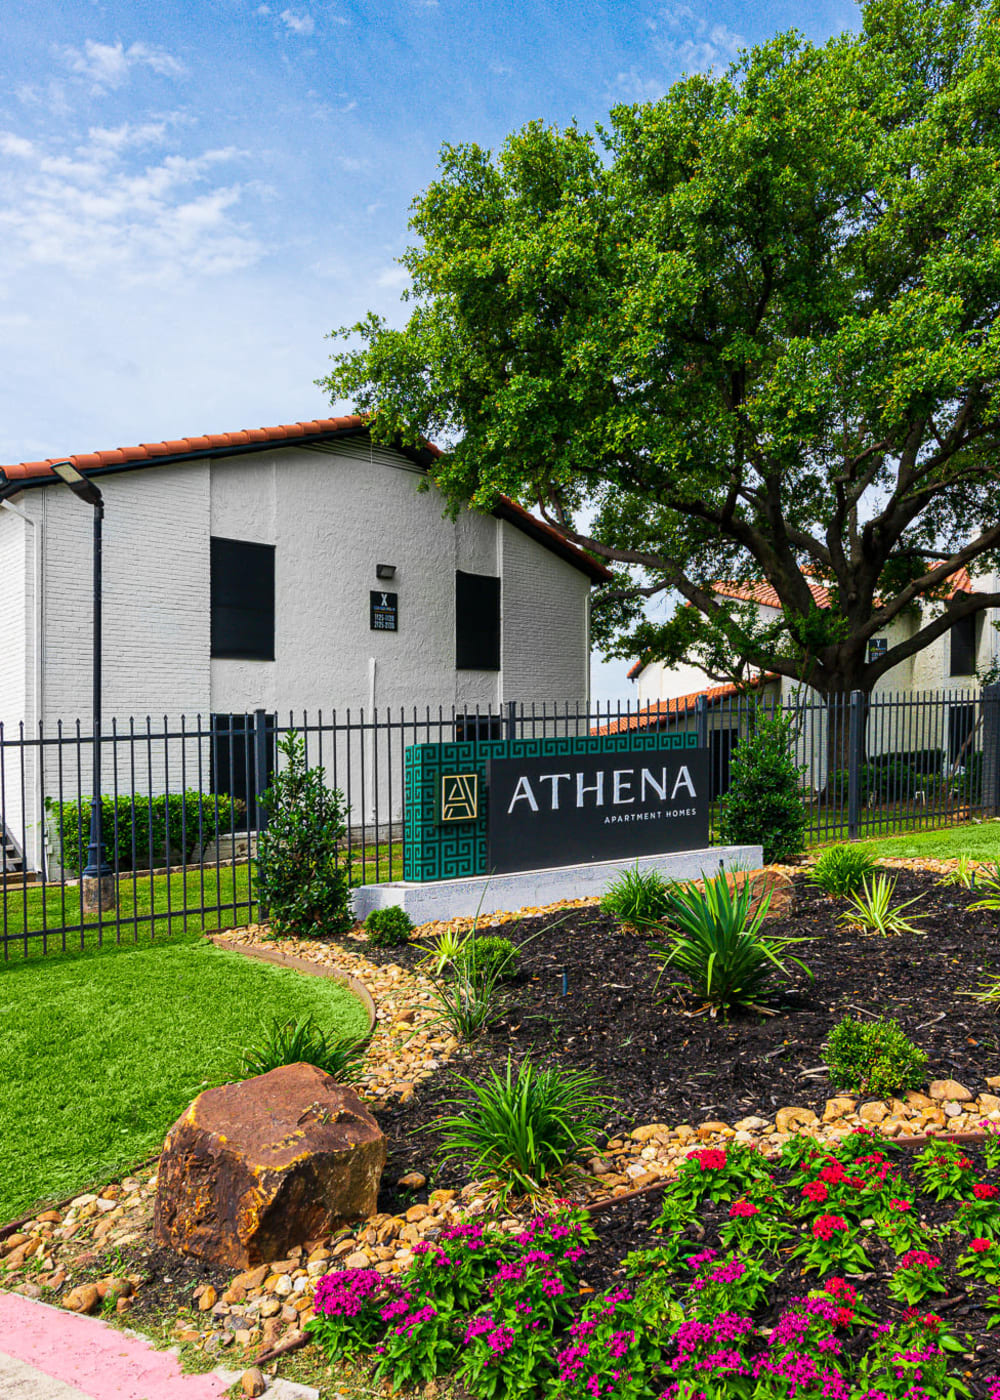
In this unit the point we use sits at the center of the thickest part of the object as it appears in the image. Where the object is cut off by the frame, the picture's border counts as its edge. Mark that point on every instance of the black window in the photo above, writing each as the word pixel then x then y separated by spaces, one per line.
pixel 963 646
pixel 477 622
pixel 243 600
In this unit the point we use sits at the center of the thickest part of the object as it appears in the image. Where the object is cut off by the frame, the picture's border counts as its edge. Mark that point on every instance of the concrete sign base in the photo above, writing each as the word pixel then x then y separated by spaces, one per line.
pixel 447 899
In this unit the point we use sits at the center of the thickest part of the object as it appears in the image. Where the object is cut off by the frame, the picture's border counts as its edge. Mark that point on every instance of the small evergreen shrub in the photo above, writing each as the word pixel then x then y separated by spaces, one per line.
pixel 636 897
pixel 874 1057
pixel 301 879
pixel 764 802
pixel 388 927
pixel 842 870
pixel 302 1042
pixel 490 955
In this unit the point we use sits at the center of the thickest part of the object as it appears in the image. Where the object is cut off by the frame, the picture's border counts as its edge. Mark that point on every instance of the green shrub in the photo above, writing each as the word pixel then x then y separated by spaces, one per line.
pixel 302 1042
pixel 140 832
pixel 841 870
pixel 874 1057
pixel 525 1126
pixel 301 880
pixel 490 954
pixel 719 945
pixel 636 897
pixel 764 802
pixel 388 927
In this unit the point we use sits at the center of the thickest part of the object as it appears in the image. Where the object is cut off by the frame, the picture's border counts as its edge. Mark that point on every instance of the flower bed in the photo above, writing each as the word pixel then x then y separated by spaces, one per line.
pixel 856 1272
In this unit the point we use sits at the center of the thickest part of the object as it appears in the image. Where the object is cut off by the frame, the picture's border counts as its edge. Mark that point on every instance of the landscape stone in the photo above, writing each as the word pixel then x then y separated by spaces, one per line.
pixel 790 1120
pixel 253 1169
pixel 948 1089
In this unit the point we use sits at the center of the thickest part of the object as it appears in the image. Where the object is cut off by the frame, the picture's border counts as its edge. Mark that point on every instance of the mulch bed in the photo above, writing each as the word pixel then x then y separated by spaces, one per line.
pixel 620 1018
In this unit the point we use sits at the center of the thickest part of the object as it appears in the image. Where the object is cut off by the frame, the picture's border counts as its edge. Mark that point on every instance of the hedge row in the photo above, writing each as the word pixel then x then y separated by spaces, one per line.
pixel 142 833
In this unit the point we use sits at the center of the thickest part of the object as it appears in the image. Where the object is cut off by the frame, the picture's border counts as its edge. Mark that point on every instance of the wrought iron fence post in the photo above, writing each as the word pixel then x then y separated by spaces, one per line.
pixel 991 750
pixel 854 739
pixel 511 720
pixel 260 748
pixel 701 720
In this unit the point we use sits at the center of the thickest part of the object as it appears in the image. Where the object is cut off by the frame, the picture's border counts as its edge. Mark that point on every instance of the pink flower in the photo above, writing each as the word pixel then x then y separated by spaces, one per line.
pixel 816 1191
pixel 709 1159
pixel 980 1246
pixel 825 1226
pixel 900 1206
pixel 743 1210
pixel 984 1192
pixel 918 1259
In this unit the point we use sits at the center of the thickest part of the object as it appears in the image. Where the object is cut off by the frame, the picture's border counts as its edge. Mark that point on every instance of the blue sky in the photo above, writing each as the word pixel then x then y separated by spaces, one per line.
pixel 193 194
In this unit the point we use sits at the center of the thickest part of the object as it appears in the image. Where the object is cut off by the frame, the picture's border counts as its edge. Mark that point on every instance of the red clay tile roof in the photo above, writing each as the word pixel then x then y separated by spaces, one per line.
pixel 651 716
pixel 246 440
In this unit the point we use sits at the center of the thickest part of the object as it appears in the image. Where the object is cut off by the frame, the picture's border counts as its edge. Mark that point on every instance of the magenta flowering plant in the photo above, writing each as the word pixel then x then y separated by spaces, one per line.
pixel 613 1350
pixel 348 1307
pixel 505 1354
pixel 418 1343
pixel 908 1361
pixel 729 1283
pixel 944 1171
pixel 832 1245
pixel 918 1275
pixel 721 1173
pixel 710 1359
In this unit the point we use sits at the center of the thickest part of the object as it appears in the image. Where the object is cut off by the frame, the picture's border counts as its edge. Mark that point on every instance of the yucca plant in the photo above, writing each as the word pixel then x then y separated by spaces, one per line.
pixel 872 910
pixel 964 874
pixel 443 951
pixel 636 897
pixel 719 946
pixel 841 870
pixel 523 1127
pixel 988 878
pixel 302 1042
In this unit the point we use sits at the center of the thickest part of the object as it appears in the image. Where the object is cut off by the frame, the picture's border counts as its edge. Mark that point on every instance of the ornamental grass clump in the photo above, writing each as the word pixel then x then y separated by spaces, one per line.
pixel 841 870
pixel 302 1042
pixel 718 944
pixel 874 1057
pixel 523 1128
pixel 872 910
pixel 636 897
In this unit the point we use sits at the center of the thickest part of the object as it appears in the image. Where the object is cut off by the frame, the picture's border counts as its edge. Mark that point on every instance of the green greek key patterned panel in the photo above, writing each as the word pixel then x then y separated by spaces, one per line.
pixel 455 849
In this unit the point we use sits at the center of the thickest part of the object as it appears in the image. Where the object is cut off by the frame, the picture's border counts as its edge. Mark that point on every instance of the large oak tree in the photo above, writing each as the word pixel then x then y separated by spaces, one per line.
pixel 745 332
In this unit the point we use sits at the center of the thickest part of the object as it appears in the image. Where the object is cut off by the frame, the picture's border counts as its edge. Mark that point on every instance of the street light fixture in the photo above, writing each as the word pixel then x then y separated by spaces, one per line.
pixel 97 888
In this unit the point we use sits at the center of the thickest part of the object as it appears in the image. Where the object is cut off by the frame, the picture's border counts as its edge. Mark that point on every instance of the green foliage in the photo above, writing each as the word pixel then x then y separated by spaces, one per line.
pixel 491 953
pixel 523 1127
pixel 764 802
pixel 720 947
pixel 636 897
pixel 389 927
pixel 468 996
pixel 749 326
pixel 874 1057
pixel 301 878
pixel 302 1041
pixel 872 911
pixel 964 874
pixel 443 951
pixel 841 870
pixel 140 832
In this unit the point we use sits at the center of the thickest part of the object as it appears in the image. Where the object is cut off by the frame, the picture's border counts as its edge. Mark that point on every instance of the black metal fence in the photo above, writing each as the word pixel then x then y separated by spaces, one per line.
pixel 181 799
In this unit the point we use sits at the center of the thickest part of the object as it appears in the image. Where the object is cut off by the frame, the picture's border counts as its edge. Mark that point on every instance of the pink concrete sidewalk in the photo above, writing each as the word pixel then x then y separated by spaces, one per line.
pixel 96 1360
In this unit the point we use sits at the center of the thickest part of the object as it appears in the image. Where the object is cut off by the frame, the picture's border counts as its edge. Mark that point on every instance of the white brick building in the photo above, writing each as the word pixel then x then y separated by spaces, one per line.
pixel 276 614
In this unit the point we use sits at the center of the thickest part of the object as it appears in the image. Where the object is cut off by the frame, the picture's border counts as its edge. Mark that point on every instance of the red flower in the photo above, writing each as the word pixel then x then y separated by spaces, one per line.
pixel 984 1192
pixel 743 1209
pixel 816 1191
pixel 900 1206
pixel 824 1226
pixel 919 1258
pixel 840 1288
pixel 980 1246
pixel 834 1174
pixel 709 1159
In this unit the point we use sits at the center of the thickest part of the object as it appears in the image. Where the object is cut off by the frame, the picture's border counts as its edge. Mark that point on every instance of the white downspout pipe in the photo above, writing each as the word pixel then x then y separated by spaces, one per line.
pixel 33 727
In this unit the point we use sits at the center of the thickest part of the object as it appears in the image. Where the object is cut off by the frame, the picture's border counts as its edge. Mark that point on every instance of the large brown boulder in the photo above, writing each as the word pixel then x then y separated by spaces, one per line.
pixel 251 1170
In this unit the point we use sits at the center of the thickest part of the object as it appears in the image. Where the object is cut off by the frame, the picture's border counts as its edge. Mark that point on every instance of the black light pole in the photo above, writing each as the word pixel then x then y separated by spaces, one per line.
pixel 97 870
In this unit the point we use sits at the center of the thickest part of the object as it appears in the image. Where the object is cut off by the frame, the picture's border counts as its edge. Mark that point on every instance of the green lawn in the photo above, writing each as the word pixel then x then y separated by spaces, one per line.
pixel 101 1051
pixel 979 840
pixel 164 905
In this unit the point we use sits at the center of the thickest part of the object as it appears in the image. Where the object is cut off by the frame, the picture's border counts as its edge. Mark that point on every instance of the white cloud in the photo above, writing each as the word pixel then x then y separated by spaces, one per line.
pixel 392 277
pixel 633 86
pixel 296 23
pixel 91 211
pixel 108 66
